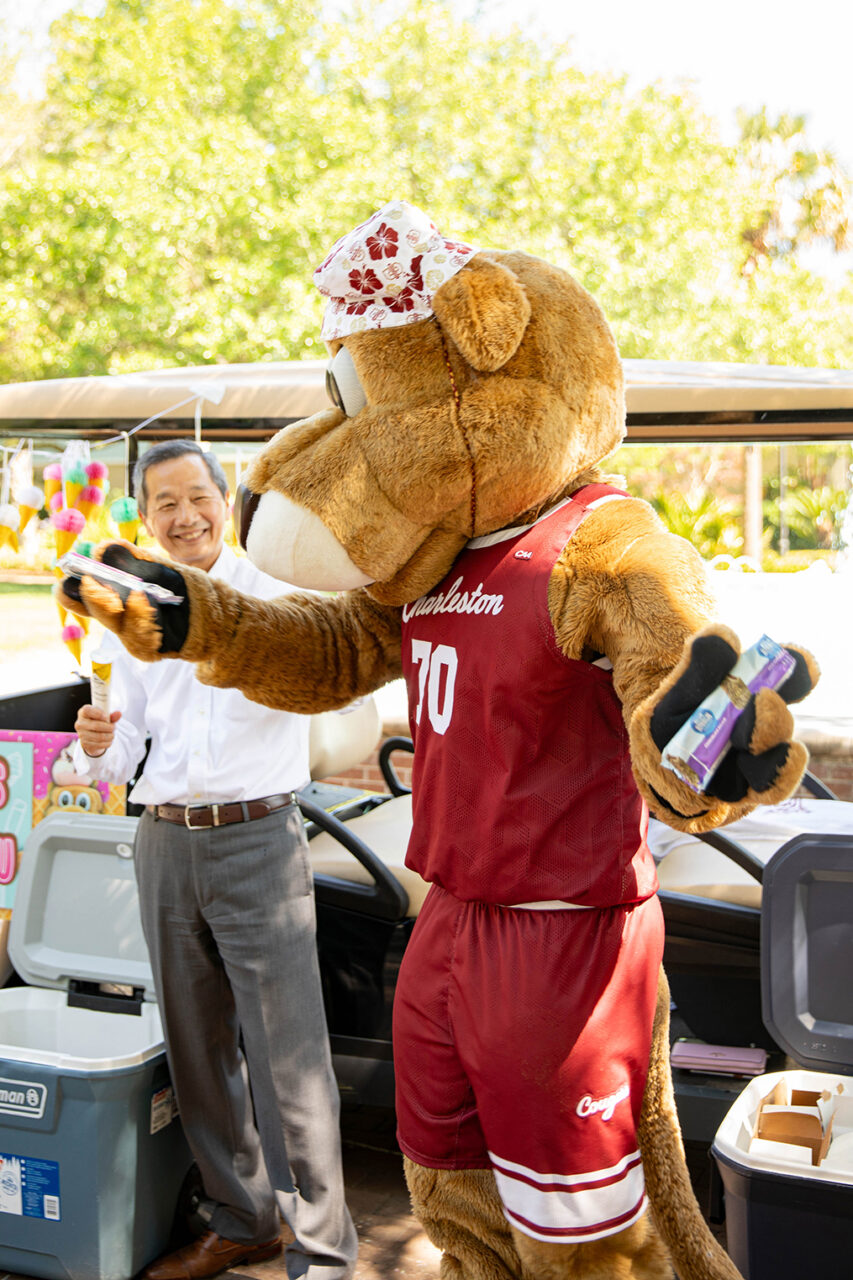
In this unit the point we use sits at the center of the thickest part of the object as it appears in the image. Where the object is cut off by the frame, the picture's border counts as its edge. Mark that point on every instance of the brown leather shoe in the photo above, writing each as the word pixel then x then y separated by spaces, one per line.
pixel 207 1256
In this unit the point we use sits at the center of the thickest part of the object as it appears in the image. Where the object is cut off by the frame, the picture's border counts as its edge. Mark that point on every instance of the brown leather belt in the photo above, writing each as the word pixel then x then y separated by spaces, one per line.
pixel 198 816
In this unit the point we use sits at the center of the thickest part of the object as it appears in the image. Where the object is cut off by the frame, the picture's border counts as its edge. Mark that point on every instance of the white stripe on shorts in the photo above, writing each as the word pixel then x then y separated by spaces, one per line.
pixel 554 905
pixel 571 1208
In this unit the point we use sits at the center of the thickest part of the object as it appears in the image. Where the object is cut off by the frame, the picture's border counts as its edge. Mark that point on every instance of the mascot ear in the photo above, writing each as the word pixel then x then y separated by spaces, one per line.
pixel 484 310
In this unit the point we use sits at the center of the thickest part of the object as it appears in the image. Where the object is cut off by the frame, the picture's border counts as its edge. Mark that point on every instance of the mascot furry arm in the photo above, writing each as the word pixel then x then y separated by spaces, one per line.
pixel 474 401
pixel 623 587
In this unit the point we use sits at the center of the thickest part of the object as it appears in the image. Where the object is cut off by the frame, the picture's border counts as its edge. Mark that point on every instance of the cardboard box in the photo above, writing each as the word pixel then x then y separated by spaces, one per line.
pixel 795 1118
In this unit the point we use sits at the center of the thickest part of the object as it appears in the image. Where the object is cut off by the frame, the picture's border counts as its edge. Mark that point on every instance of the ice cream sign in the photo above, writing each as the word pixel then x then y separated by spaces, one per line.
pixel 38 777
pixel 8 843
pixel 8 858
pixel 15 813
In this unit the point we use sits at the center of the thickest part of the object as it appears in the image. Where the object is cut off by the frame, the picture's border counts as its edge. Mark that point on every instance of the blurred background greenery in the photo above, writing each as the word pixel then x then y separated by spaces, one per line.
pixel 168 197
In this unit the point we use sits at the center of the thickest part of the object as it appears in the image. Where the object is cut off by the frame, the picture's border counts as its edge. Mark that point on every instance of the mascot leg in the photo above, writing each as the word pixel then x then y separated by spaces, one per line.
pixel 634 1254
pixel 695 1252
pixel 461 1212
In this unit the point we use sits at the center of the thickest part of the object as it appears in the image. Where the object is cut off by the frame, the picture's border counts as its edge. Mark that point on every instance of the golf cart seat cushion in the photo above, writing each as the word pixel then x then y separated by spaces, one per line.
pixel 385 830
pixel 699 871
pixel 687 865
pixel 340 740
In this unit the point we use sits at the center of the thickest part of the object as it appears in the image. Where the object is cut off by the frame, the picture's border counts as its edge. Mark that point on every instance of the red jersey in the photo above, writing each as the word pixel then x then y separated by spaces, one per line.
pixel 522 783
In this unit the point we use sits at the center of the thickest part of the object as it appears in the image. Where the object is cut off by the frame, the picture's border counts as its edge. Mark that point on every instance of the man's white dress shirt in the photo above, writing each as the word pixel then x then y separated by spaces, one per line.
pixel 208 746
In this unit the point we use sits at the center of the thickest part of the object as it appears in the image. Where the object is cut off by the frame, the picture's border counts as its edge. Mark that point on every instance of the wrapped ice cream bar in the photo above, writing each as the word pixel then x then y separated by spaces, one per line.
pixel 101 672
pixel 78 566
pixel 697 749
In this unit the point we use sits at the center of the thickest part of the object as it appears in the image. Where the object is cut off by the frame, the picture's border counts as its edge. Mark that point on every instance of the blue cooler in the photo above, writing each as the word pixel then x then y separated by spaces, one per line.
pixel 92 1154
pixel 788 1217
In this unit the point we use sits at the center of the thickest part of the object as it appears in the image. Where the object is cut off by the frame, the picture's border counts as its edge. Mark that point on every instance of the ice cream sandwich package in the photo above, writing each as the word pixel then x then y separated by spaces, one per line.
pixel 696 751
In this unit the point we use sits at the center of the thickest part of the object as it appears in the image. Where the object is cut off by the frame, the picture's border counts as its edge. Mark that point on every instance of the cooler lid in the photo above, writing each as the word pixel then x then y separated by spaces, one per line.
pixel 807 950
pixel 76 912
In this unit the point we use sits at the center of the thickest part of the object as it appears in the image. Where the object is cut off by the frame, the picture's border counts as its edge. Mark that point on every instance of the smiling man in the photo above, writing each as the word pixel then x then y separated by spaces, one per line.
pixel 183 501
pixel 227 906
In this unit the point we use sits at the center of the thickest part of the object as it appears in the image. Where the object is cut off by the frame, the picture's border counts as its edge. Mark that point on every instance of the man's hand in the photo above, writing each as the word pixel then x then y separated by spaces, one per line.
pixel 146 628
pixel 95 729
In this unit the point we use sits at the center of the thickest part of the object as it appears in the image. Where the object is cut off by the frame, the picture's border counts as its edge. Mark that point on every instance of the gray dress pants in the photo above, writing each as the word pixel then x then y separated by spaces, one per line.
pixel 228 916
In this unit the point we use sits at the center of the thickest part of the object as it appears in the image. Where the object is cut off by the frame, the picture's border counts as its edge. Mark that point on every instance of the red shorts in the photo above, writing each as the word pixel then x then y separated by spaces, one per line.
pixel 521 1042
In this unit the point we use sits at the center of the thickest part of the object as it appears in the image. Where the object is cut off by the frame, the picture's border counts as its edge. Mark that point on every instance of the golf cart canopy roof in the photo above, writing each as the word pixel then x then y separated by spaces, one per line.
pixel 666 402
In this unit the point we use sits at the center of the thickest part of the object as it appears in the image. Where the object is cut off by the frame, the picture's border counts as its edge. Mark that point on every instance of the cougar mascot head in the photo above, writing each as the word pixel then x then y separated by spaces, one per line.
pixel 553 637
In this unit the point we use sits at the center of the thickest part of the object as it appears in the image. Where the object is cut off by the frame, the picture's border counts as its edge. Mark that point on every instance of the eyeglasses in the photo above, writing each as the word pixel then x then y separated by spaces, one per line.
pixel 342 384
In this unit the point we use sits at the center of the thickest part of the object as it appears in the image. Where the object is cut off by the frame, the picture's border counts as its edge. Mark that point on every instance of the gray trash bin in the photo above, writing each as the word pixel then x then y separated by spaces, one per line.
pixel 92 1154
pixel 788 1217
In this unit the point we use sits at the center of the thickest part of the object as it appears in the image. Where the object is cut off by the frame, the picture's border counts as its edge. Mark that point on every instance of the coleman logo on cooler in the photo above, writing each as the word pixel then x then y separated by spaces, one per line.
pixel 603 1106
pixel 22 1098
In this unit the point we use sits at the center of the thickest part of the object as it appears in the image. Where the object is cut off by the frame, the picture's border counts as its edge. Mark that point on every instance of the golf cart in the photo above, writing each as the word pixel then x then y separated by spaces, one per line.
pixel 367 900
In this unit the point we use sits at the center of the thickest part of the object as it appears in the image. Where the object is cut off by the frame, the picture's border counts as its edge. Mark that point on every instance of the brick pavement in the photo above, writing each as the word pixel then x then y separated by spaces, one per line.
pixel 392 1245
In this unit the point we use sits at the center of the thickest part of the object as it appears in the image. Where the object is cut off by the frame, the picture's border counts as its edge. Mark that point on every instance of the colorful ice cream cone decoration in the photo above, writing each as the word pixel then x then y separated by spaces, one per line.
pixel 72 638
pixel 26 512
pixel 30 502
pixel 83 549
pixel 125 512
pixel 64 541
pixel 73 480
pixel 52 476
pixel 97 474
pixel 10 522
pixel 88 498
pixel 68 524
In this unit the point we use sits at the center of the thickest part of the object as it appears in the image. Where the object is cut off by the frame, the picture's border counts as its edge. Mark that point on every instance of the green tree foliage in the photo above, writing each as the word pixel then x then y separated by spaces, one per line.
pixel 800 197
pixel 813 516
pixel 702 519
pixel 193 160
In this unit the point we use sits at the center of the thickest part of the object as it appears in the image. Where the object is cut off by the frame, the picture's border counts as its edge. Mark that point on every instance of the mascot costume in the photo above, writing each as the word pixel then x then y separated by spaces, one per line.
pixel 553 637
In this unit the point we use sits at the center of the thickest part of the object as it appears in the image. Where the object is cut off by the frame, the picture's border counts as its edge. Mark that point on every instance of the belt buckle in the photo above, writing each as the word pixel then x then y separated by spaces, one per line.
pixel 201 826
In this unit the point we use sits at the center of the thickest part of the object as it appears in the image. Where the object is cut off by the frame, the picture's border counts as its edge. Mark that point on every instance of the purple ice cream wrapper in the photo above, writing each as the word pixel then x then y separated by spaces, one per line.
pixel 697 749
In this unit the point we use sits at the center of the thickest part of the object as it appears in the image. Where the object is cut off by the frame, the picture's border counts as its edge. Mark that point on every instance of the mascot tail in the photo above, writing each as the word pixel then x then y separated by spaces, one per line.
pixel 695 1253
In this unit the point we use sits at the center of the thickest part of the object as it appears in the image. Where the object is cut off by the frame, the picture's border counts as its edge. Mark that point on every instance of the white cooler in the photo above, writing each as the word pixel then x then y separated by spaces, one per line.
pixel 785 1149
pixel 92 1154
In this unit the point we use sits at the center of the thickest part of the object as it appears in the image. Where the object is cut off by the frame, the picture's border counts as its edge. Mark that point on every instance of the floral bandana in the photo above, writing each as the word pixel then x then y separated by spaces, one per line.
pixel 385 272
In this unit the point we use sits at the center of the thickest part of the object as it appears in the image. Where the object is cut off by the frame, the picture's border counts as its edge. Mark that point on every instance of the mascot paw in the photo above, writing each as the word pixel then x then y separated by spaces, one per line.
pixel 763 764
pixel 147 627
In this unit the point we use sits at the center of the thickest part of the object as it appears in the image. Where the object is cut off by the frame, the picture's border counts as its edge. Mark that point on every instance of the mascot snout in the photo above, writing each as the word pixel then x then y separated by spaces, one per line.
pixel 290 543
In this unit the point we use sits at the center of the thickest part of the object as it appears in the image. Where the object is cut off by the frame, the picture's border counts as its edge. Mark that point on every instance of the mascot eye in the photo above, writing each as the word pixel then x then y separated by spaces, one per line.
pixel 64 799
pixel 84 801
pixel 342 384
